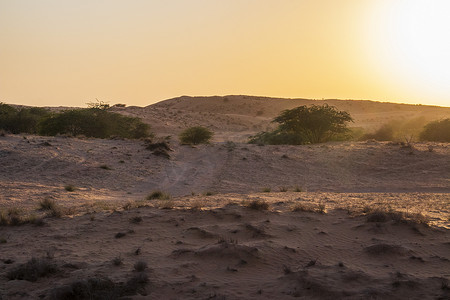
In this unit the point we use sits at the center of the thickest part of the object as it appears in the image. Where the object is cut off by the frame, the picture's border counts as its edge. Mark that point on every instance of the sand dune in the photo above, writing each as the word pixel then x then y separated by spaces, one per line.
pixel 237 117
pixel 343 220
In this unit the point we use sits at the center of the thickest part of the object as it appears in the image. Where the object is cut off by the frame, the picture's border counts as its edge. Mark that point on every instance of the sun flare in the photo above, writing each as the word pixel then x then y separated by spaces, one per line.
pixel 416 43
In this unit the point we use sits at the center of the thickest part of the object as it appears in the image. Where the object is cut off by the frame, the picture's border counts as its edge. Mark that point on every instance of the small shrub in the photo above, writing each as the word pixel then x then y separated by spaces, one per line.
pixel 258 205
pixel 283 189
pixel 69 188
pixel 298 189
pixel 437 131
pixel 92 288
pixel 303 207
pixel 166 204
pixel 319 208
pixel 34 269
pixel 136 220
pixel 195 135
pixel 140 266
pixel 158 195
pixel 105 167
pixel 267 190
pixel 197 205
pixel 380 215
pixel 117 261
pixel 47 204
pixel 120 235
pixel 58 211
pixel 209 193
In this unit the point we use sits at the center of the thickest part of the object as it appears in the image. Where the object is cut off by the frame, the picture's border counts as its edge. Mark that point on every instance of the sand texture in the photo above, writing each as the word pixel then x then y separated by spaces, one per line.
pixel 340 220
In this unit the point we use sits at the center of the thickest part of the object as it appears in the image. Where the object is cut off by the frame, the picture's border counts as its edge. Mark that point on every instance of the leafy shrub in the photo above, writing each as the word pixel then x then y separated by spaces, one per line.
pixel 307 125
pixel 195 135
pixel 437 131
pixel 21 120
pixel 93 122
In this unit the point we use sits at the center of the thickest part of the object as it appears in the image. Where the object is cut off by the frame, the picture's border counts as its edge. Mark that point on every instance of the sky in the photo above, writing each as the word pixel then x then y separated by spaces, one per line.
pixel 138 52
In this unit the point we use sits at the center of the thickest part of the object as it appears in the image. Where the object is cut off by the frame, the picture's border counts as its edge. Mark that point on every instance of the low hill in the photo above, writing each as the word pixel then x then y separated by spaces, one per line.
pixel 237 117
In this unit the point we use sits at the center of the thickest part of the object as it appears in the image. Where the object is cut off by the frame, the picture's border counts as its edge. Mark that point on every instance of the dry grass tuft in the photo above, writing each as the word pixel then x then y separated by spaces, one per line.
pixel 381 215
pixel 32 270
pixel 47 204
pixel 257 204
pixel 304 207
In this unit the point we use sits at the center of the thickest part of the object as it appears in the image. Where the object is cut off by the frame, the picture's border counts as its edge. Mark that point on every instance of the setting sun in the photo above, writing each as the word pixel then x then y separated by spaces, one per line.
pixel 412 36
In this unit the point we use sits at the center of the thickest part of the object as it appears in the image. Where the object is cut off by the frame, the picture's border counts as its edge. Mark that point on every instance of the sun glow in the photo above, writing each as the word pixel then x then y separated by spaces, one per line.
pixel 415 41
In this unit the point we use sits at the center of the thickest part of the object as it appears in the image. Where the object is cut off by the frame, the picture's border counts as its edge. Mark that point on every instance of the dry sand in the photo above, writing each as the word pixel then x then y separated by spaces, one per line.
pixel 204 242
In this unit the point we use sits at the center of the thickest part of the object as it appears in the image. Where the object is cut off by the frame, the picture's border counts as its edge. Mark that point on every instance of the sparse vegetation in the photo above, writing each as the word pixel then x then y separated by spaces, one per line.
pixel 159 148
pixel 69 188
pixel 101 288
pixel 437 131
pixel 298 189
pixel 21 120
pixel 93 122
pixel 158 195
pixel 47 204
pixel 283 189
pixel 136 220
pixel 140 266
pixel 117 261
pixel 266 190
pixel 306 207
pixel 120 235
pixel 307 125
pixel 195 135
pixel 166 204
pixel 32 270
pixel 381 215
pixel 258 204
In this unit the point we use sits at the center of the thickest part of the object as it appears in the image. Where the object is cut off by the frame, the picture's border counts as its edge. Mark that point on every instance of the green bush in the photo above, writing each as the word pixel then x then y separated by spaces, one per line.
pixel 93 122
pixel 307 125
pixel 21 120
pixel 195 135
pixel 437 131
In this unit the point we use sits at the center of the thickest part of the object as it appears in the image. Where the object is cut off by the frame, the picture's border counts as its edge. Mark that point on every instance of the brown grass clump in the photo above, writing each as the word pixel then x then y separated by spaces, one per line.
pixel 381 215
pixel 166 204
pixel 197 205
pixel 303 207
pixel 33 270
pixel 258 204
pixel 140 266
pixel 47 204
pixel 15 217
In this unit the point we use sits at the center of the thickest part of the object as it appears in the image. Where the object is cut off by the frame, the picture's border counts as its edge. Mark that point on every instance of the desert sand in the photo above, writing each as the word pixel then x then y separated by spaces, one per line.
pixel 340 220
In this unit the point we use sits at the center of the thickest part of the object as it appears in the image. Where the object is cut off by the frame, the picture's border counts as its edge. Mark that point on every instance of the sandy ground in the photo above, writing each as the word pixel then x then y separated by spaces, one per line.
pixel 207 244
pixel 347 220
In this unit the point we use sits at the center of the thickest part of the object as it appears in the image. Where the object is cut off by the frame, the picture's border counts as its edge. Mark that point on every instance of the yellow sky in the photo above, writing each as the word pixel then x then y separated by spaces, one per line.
pixel 138 52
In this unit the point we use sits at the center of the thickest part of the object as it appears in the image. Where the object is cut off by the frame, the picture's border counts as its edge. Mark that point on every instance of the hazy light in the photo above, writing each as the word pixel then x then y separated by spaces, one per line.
pixel 137 52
